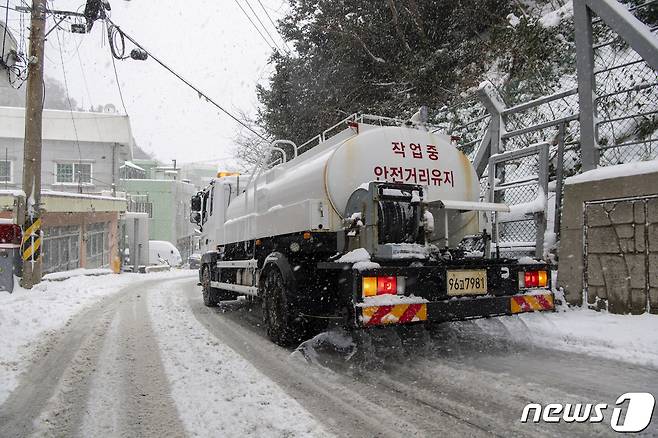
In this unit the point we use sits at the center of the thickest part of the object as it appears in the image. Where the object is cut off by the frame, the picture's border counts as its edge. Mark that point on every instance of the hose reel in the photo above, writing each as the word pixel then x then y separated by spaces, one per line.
pixel 398 222
pixel 393 210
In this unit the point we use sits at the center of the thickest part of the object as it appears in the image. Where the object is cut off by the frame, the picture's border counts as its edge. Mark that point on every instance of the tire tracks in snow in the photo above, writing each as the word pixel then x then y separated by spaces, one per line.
pixel 463 382
pixel 51 398
pixel 217 391
pixel 348 407
pixel 130 388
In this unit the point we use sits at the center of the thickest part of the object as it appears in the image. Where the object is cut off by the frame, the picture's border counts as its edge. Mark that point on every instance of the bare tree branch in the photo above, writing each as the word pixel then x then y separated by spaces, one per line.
pixel 416 17
pixel 365 48
pixel 396 24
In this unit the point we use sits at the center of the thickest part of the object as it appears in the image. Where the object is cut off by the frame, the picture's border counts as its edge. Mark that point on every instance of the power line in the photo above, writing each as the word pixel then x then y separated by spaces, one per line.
pixel 116 79
pixel 254 24
pixel 84 77
pixel 199 92
pixel 273 24
pixel 8 7
pixel 261 23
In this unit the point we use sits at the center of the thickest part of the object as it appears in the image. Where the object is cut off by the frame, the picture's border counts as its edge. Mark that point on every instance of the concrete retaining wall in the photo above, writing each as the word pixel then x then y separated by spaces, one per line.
pixel 611 248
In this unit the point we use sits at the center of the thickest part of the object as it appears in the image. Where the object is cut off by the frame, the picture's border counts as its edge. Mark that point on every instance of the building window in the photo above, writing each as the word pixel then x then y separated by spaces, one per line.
pixel 73 173
pixel 61 248
pixel 5 171
pixel 82 172
pixel 64 173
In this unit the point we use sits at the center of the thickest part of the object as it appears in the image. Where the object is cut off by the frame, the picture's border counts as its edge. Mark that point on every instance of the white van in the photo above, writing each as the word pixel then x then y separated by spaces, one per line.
pixel 163 252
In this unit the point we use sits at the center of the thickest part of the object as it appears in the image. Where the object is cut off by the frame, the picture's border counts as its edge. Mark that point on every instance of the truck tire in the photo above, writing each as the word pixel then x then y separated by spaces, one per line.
pixel 277 312
pixel 209 293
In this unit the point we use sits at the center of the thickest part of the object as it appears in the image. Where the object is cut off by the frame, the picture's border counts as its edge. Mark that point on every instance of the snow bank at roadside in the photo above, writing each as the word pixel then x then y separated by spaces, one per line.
pixel 28 316
pixel 58 276
pixel 214 388
pixel 627 338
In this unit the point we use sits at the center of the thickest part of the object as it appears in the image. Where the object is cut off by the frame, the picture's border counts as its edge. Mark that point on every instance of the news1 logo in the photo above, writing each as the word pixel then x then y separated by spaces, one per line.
pixel 637 417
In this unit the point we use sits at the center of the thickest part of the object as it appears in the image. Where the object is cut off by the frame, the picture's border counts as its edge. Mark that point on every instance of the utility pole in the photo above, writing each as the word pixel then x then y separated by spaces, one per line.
pixel 114 170
pixel 31 220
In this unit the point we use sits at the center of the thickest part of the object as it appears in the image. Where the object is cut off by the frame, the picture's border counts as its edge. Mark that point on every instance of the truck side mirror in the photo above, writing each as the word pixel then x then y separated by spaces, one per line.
pixel 196 203
pixel 195 217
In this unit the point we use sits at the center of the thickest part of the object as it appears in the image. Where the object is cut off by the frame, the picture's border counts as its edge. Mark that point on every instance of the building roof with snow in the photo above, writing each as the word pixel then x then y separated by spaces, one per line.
pixel 70 126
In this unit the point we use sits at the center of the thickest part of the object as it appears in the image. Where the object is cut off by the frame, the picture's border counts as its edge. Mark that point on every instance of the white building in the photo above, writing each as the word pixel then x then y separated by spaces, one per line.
pixel 82 151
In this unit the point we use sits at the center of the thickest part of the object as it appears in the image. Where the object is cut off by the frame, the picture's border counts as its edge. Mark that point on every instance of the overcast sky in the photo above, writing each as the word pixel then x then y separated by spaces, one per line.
pixel 210 42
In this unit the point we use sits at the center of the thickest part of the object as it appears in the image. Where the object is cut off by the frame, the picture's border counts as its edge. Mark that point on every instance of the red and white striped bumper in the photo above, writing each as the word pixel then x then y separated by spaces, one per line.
pixel 455 310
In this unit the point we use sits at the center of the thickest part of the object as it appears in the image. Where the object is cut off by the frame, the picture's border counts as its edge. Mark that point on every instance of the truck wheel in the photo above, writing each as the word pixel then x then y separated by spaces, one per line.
pixel 209 294
pixel 276 309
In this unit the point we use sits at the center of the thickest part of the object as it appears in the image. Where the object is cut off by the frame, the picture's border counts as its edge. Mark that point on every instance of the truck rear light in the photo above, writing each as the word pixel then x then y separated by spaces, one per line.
pixel 530 279
pixel 385 285
pixel 10 233
pixel 369 286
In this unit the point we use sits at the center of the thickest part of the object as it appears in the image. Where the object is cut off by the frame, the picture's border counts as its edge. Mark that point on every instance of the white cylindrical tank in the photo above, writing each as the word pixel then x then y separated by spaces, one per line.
pixel 311 191
pixel 403 155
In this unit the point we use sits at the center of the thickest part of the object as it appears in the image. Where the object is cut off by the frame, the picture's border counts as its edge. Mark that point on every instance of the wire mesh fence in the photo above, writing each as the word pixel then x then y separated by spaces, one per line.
pixel 627 123
pixel 466 120
pixel 517 185
pixel 627 92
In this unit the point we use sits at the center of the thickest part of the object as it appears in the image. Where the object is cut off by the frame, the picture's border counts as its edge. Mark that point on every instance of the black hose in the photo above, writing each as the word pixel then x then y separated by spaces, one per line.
pixel 398 222
pixel 117 41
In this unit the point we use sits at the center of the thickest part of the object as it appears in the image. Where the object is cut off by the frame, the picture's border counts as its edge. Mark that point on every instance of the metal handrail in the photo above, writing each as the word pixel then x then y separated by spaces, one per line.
pixel 352 117
pixel 355 117
pixel 283 153
pixel 265 158
pixel 539 127
pixel 631 9
pixel 541 101
pixel 472 122
pixel 470 143
pixel 375 118
pixel 317 138
pixel 288 142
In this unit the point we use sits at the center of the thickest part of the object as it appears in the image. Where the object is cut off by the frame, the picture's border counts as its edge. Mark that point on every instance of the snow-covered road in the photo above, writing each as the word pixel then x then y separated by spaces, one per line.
pixel 150 360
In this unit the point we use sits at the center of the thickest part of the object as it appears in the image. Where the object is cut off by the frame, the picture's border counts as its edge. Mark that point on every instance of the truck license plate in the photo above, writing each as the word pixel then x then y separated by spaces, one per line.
pixel 467 282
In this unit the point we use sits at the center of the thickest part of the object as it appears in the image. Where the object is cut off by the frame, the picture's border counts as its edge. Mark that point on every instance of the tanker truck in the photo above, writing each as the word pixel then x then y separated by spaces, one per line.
pixel 379 223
